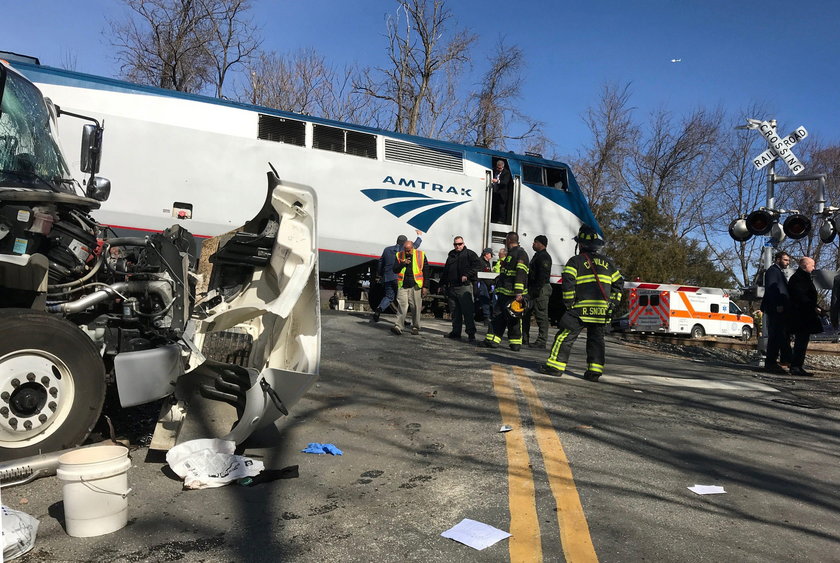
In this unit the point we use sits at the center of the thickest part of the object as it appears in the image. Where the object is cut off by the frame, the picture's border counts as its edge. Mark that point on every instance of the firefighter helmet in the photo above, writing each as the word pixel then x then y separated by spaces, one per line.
pixel 517 309
pixel 588 238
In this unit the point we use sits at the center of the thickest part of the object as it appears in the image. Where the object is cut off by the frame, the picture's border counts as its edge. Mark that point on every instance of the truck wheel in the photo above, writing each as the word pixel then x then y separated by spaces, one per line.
pixel 746 333
pixel 697 331
pixel 52 384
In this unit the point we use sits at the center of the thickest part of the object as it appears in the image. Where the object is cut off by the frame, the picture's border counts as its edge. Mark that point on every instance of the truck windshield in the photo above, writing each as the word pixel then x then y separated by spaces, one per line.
pixel 29 153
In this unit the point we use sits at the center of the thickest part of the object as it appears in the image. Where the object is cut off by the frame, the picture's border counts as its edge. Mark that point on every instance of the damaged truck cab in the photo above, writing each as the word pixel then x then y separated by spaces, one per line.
pixel 83 307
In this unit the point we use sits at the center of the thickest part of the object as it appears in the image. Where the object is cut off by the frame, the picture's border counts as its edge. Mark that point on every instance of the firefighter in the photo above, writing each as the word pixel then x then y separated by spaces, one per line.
pixel 512 285
pixel 591 291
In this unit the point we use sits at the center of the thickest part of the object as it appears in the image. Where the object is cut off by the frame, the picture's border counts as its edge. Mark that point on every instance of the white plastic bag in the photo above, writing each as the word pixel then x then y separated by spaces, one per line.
pixel 19 531
pixel 210 462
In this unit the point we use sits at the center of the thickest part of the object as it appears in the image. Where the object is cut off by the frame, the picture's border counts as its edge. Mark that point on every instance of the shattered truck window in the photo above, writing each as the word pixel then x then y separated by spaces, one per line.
pixel 29 153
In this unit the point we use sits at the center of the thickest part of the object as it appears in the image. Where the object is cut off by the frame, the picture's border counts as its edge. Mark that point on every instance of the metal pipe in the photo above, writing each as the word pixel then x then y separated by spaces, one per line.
pixel 25 470
pixel 161 288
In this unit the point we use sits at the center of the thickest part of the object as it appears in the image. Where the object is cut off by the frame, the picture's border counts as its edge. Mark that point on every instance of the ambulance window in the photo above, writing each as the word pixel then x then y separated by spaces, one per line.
pixel 715 308
pixel 734 309
pixel 654 301
pixel 643 300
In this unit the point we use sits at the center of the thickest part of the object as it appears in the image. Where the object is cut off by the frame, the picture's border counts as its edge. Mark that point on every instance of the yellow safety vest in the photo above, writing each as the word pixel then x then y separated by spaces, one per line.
pixel 418 258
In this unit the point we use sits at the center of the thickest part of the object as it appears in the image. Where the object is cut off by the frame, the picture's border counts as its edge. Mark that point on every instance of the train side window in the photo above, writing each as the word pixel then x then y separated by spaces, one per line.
pixel 281 130
pixel 714 308
pixel 557 178
pixel 532 174
pixel 643 300
pixel 654 301
pixel 328 138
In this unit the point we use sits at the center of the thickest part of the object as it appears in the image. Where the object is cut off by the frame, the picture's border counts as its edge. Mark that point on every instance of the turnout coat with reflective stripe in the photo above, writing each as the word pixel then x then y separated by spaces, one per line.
pixel 581 294
pixel 513 273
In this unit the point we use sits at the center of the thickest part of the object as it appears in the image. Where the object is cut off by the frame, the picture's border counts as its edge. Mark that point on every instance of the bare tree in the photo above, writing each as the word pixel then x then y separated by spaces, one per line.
pixel 672 165
pixel 416 83
pixel 185 45
pixel 489 114
pixel 600 167
pixel 232 38
pixel 69 60
pixel 303 82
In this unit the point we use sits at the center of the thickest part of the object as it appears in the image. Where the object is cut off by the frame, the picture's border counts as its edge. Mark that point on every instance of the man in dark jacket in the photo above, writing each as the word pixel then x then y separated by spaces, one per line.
pixel 774 304
pixel 387 275
pixel 459 276
pixel 484 287
pixel 502 183
pixel 803 317
pixel 512 285
pixel 539 291
pixel 591 291
pixel 835 302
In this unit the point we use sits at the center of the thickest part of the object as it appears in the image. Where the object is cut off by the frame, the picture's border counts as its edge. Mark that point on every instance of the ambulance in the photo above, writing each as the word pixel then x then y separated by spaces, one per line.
pixel 682 309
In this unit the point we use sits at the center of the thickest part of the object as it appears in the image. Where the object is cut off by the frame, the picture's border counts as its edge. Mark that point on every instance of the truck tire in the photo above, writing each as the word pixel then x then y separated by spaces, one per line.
pixel 52 384
pixel 697 332
pixel 746 333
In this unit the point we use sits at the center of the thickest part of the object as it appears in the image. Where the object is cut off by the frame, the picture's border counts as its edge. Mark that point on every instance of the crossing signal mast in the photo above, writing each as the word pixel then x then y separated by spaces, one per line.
pixel 765 221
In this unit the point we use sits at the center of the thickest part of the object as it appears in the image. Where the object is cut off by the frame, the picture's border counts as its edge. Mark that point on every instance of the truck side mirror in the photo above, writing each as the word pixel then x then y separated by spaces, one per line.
pixel 91 148
pixel 99 189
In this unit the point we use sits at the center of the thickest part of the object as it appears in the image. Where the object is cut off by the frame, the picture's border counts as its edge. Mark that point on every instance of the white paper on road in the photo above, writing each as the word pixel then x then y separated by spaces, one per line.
pixel 475 534
pixel 707 489
pixel 506 428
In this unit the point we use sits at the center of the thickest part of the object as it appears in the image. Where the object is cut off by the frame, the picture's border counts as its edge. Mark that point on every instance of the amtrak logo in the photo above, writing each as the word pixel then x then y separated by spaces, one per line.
pixel 426 210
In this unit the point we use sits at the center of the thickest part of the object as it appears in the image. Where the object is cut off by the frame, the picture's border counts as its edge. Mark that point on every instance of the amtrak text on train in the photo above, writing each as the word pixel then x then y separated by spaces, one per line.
pixel 419 184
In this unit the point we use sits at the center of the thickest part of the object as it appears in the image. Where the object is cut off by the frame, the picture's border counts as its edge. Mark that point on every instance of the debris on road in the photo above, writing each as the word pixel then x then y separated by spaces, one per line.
pixel 210 462
pixel 506 428
pixel 267 475
pixel 707 489
pixel 317 448
pixel 19 531
pixel 474 534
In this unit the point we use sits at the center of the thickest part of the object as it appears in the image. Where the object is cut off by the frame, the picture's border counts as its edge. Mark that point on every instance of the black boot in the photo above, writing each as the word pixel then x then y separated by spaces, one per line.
pixel 376 313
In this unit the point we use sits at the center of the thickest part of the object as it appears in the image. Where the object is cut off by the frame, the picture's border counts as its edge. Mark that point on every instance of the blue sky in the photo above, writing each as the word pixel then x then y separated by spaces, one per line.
pixel 782 54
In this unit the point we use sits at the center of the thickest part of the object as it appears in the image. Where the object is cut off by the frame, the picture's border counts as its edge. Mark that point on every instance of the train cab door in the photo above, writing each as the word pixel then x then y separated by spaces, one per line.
pixel 501 212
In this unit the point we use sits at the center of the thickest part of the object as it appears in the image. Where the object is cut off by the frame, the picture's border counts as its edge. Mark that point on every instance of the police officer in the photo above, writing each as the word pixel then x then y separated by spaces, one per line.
pixel 512 285
pixel 539 292
pixel 591 291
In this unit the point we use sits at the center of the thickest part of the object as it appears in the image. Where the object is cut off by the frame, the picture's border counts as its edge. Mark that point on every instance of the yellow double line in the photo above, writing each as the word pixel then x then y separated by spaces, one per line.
pixel 526 543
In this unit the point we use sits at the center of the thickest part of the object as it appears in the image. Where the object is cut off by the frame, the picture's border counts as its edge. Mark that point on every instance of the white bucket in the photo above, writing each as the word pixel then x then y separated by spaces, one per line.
pixel 95 488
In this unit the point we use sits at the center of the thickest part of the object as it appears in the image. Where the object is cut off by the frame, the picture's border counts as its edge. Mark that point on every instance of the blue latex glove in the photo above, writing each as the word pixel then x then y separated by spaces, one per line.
pixel 316 448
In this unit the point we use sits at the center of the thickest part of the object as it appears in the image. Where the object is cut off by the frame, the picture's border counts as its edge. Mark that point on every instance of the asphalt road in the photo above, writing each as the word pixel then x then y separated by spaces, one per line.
pixel 590 471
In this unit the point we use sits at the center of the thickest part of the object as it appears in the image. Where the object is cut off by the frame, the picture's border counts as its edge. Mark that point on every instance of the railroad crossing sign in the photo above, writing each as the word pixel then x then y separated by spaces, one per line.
pixel 779 146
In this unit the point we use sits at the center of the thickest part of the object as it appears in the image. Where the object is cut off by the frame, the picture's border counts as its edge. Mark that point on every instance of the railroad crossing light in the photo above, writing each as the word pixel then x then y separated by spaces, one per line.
pixel 797 226
pixel 760 222
pixel 738 230
pixel 829 229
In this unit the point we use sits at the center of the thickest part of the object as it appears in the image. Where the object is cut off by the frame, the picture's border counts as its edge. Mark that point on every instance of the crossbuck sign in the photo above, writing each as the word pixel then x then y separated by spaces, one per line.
pixel 779 146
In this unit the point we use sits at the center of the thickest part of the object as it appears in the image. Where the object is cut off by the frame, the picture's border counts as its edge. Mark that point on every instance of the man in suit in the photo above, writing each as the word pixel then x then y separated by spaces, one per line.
pixel 774 304
pixel 803 317
pixel 502 188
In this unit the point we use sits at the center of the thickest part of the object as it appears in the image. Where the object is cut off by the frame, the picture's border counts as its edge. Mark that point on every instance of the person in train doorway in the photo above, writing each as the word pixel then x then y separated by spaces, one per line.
pixel 835 302
pixel 460 273
pixel 803 315
pixel 774 305
pixel 385 270
pixel 412 270
pixel 484 287
pixel 539 292
pixel 502 183
pixel 511 285
pixel 591 291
